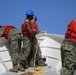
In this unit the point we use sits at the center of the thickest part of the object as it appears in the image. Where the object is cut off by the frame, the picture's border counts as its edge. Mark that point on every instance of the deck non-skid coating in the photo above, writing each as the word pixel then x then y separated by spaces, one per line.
pixel 47 71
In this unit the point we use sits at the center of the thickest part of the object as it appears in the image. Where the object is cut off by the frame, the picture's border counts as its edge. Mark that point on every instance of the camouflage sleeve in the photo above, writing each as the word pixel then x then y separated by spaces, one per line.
pixel 28 27
pixel 1 31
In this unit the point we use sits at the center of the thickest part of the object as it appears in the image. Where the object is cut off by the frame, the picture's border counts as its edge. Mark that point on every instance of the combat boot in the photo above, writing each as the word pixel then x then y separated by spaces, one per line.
pixel 14 69
pixel 41 63
pixel 21 68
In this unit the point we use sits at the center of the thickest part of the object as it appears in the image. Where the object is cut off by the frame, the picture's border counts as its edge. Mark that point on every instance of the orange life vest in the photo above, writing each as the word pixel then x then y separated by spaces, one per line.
pixel 71 32
pixel 6 30
pixel 24 31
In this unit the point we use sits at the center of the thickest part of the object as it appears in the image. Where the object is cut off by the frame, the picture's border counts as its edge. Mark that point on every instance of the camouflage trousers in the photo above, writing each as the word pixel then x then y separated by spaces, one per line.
pixel 15 48
pixel 34 47
pixel 25 51
pixel 19 47
pixel 68 55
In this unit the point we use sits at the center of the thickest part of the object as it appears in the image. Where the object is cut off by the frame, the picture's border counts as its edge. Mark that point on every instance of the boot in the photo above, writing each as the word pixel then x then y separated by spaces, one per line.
pixel 14 69
pixel 41 63
pixel 21 68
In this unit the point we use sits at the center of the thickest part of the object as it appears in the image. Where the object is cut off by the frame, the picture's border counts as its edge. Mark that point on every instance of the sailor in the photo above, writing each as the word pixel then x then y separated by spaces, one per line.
pixel 14 37
pixel 39 59
pixel 29 30
pixel 68 50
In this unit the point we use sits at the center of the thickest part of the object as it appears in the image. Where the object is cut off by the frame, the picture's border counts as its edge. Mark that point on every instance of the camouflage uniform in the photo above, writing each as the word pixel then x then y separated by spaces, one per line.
pixel 32 49
pixel 19 52
pixel 39 59
pixel 35 46
pixel 68 54
pixel 29 30
pixel 25 51
pixel 15 38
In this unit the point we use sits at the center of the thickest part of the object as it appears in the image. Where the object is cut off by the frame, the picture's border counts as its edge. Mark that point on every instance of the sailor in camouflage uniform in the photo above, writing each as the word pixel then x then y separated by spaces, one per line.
pixel 39 59
pixel 29 30
pixel 19 52
pixel 68 50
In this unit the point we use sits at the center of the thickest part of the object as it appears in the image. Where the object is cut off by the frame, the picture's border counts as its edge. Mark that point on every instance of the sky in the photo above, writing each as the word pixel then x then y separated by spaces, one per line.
pixel 53 16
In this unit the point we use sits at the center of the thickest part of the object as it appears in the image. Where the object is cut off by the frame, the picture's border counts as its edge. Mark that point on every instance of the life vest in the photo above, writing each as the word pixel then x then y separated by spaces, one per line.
pixel 71 32
pixel 6 30
pixel 24 31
